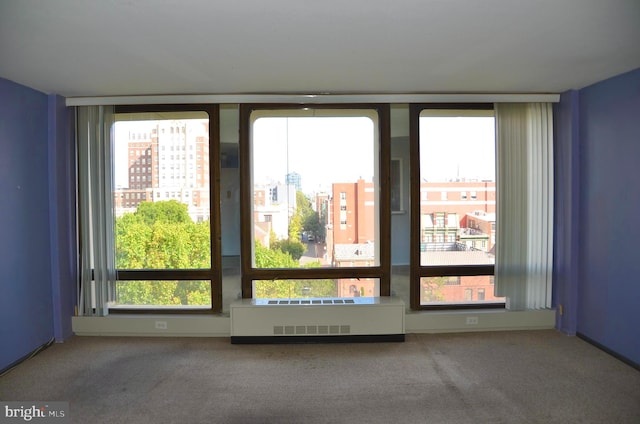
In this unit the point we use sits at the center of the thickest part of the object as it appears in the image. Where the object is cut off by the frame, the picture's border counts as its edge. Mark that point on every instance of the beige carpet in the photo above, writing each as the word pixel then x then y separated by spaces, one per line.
pixel 501 377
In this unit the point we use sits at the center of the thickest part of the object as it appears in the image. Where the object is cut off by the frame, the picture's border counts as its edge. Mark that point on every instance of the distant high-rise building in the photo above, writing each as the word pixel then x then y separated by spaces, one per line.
pixel 294 179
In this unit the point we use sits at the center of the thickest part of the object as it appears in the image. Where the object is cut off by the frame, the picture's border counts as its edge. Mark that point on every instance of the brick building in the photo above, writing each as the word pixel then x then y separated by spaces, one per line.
pixel 167 160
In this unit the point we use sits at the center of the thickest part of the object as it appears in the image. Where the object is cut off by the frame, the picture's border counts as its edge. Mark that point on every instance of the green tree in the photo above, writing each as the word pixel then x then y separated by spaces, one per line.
pixel 312 225
pixel 170 211
pixel 278 289
pixel 295 227
pixel 295 248
pixel 273 258
pixel 161 235
pixel 309 219
pixel 303 205
pixel 432 289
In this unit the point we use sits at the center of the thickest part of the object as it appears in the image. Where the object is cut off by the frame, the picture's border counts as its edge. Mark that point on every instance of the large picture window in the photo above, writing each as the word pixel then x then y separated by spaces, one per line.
pixel 315 200
pixel 454 206
pixel 165 163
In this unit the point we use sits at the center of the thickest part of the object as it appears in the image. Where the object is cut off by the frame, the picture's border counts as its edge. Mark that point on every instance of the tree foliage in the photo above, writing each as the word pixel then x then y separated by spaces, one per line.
pixel 279 289
pixel 161 235
pixel 432 289
pixel 308 218
pixel 295 227
pixel 293 247
pixel 170 211
pixel 272 258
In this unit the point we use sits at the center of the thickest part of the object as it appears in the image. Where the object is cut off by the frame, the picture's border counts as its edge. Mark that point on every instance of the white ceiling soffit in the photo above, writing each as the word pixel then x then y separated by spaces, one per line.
pixel 81 48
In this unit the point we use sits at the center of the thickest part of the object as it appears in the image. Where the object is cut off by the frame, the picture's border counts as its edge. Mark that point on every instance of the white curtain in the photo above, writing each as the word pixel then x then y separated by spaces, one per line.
pixel 95 204
pixel 524 215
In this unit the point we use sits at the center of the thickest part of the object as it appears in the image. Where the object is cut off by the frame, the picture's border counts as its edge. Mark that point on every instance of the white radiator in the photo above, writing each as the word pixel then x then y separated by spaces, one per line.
pixel 300 320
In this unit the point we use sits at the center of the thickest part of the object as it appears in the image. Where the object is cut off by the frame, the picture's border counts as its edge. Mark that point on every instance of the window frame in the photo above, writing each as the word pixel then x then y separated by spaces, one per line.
pixel 417 270
pixel 248 271
pixel 213 274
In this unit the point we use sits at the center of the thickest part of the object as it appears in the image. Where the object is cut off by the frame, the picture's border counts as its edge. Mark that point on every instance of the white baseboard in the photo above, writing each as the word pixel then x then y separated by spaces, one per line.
pixel 220 325
pixel 479 320
pixel 153 325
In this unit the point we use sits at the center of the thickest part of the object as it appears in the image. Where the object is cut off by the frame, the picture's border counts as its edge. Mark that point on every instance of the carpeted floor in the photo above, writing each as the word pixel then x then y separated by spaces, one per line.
pixel 500 377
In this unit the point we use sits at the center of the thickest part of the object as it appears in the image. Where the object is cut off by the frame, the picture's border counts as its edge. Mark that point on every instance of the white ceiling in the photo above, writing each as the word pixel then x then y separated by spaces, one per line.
pixel 152 47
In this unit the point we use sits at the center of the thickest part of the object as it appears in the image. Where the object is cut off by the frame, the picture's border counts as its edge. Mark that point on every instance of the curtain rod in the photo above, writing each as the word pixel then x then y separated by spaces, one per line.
pixel 313 98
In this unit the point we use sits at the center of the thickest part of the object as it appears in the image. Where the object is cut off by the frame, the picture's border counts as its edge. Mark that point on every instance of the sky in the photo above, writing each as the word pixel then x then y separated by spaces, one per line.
pixel 457 147
pixel 324 150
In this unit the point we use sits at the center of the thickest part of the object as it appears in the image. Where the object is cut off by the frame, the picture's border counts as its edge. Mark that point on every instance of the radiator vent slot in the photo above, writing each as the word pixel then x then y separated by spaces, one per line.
pixel 290 330
pixel 312 302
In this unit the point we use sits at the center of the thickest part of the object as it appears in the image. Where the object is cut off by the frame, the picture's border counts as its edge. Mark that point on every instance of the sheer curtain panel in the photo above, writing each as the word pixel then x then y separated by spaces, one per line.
pixel 524 245
pixel 97 257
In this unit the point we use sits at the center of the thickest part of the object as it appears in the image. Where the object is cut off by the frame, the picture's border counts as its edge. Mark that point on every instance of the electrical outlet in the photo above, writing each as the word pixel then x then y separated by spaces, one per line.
pixel 161 325
pixel 472 320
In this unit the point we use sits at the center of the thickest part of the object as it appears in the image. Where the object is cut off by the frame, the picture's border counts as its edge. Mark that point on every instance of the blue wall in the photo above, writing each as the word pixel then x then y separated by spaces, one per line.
pixel 62 215
pixel 25 254
pixel 608 295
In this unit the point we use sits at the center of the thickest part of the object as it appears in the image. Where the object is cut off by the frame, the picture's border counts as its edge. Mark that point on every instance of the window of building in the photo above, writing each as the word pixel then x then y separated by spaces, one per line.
pixel 166 257
pixel 452 150
pixel 303 251
pixel 452 281
pixel 468 295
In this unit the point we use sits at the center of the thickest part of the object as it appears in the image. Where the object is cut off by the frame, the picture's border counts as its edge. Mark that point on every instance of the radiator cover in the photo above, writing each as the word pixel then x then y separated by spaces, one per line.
pixel 358 319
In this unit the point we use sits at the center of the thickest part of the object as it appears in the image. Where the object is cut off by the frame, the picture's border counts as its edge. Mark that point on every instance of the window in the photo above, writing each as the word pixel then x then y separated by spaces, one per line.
pixel 165 255
pixel 453 151
pixel 468 295
pixel 452 281
pixel 323 167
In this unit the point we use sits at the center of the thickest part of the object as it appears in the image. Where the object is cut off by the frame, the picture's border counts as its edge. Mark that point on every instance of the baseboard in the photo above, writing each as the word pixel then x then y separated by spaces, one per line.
pixel 479 320
pixel 220 325
pixel 153 325
pixel 27 356
pixel 613 353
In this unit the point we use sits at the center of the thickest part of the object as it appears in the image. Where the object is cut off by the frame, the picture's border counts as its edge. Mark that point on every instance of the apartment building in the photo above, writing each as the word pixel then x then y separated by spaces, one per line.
pixel 166 160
